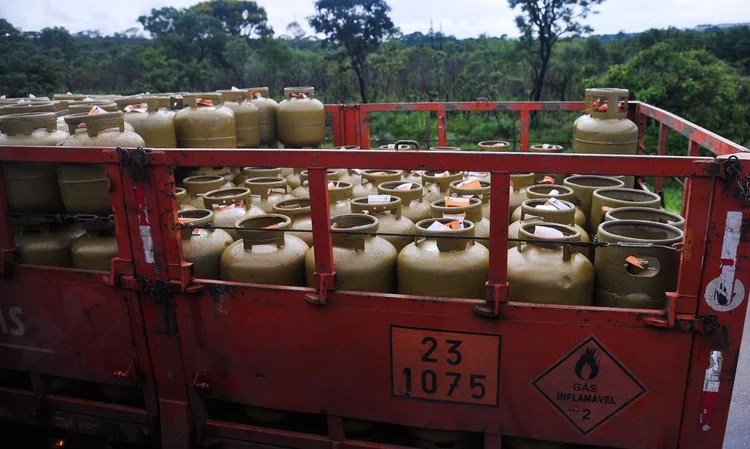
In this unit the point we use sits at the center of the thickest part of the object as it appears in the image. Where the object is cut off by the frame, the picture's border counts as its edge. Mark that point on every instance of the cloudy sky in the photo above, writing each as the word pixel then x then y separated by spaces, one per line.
pixel 462 18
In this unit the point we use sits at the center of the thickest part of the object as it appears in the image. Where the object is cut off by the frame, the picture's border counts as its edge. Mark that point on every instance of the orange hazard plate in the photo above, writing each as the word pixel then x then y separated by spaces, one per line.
pixel 445 366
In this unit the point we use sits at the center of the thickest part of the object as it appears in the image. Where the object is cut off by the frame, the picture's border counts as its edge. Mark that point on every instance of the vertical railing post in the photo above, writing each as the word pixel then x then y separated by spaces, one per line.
pixel 7 252
pixel 363 130
pixel 322 242
pixel 497 280
pixel 442 126
pixel 336 124
pixel 525 130
pixel 349 123
pixel 693 148
pixel 659 181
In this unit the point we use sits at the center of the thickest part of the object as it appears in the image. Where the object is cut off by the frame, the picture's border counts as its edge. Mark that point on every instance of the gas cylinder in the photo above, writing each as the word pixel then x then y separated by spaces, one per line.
pixel 203 246
pixel 390 220
pixel 303 191
pixel 197 186
pixel 339 198
pixel 85 106
pixel 444 149
pixel 344 173
pixel 484 176
pixel 95 249
pixel 362 262
pixel 66 99
pixel 605 199
pixel 632 277
pixel 205 123
pixel 46 244
pixel 225 172
pixel 267 106
pixel 298 210
pixel 464 208
pixel 294 178
pixel 229 206
pixel 518 184
pixel 85 187
pixel 606 128
pixel 446 267
pixel 646 214
pixel 400 145
pixel 268 191
pixel 475 188
pixel 436 183
pixel 301 118
pixel 538 210
pixel 256 172
pixel 371 178
pixel 543 272
pixel 546 191
pixel 412 176
pixel 31 187
pixel 413 205
pixel 494 145
pixel 27 107
pixel 583 187
pixel 353 176
pixel 246 117
pixel 265 257
pixel 154 125
pixel 548 149
pixel 180 196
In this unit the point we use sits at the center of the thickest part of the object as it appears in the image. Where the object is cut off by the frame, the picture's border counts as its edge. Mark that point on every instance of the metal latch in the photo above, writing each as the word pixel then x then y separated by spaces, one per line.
pixel 708 325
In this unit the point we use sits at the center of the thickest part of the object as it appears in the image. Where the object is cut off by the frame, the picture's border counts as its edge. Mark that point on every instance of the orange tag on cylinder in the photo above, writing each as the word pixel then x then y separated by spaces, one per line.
pixel 270 226
pixel 380 173
pixel 457 202
pixel 632 260
pixel 453 224
pixel 548 180
pixel 470 184
pixel 204 101
pixel 256 95
pixel 606 209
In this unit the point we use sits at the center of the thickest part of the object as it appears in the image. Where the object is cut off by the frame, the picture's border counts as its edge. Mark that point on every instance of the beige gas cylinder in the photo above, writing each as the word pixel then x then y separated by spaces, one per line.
pixel 293 178
pixel 205 123
pixel 413 176
pixel 519 182
pixel 265 257
pixel 85 106
pixel 473 187
pixel 256 172
pixel 246 117
pixel 371 178
pixel 202 246
pixel 495 145
pixel 583 188
pixel 227 173
pixel 85 187
pixel 298 210
pixel 539 210
pixel 31 187
pixel 543 271
pixel 46 244
pixel 483 176
pixel 413 205
pixel 440 266
pixel 197 186
pixel 303 191
pixel 390 220
pixel 646 214
pixel 606 199
pixel 546 191
pixel 267 107
pixel 362 262
pixel 353 176
pixel 229 206
pixel 95 249
pixel 636 277
pixel 344 173
pixel 154 125
pixel 546 148
pixel 181 196
pixel 268 191
pixel 339 198
pixel 301 118
pixel 436 183
pixel 464 208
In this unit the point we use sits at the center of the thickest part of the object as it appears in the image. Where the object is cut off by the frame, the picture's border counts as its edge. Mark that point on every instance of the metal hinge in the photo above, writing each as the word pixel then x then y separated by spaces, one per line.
pixel 201 381
pixel 708 325
pixel 130 373
pixel 134 161
pixel 498 294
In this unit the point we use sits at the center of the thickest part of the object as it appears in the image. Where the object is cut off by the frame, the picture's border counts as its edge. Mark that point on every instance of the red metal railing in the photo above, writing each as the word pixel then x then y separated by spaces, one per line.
pixel 319 349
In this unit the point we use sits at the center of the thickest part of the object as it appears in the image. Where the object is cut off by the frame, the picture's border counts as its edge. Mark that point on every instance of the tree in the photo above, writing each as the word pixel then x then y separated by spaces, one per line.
pixel 542 23
pixel 238 17
pixel 359 26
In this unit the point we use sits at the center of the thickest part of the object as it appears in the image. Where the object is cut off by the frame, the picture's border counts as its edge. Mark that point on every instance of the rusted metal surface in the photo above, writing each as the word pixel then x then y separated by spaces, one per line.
pixel 209 348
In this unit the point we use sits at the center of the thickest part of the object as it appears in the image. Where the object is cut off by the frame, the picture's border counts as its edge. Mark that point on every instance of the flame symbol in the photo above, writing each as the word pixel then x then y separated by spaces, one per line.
pixel 587 366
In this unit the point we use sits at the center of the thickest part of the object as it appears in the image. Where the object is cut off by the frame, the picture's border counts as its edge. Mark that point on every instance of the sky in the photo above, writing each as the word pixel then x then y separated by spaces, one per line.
pixel 463 18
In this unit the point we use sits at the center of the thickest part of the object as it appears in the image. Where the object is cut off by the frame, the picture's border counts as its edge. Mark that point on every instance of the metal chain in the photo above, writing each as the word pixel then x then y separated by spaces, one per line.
pixel 733 170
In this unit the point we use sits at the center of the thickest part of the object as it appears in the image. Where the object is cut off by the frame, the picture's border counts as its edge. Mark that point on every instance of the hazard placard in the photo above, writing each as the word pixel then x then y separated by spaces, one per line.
pixel 589 386
pixel 445 366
